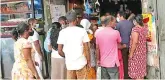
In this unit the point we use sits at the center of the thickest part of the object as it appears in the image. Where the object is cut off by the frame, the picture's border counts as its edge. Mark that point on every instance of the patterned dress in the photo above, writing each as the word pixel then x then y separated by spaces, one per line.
pixel 20 69
pixel 91 74
pixel 137 64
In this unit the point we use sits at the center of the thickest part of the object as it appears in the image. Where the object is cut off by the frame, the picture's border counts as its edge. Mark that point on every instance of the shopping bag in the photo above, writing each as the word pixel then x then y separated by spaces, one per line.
pixel 39 72
pixel 98 73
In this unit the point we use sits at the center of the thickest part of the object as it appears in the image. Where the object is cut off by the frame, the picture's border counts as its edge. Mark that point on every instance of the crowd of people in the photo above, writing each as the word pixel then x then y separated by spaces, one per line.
pixel 82 50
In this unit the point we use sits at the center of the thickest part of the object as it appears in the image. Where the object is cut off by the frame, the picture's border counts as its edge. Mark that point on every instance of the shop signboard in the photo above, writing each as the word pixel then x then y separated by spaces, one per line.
pixel 152 55
pixel 57 11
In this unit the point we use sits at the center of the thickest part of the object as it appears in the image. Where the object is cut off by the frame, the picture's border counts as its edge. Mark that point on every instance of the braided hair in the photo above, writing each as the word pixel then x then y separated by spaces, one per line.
pixel 56 27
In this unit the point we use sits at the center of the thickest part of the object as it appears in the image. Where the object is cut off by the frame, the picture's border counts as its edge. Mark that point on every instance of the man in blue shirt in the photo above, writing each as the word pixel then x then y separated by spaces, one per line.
pixel 124 27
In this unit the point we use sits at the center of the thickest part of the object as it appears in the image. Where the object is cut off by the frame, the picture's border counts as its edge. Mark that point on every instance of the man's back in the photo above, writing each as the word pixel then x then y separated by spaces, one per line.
pixel 125 28
pixel 72 39
pixel 107 39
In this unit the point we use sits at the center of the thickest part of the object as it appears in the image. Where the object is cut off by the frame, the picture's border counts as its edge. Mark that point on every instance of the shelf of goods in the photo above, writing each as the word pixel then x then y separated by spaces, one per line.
pixel 12 13
pixel 12 1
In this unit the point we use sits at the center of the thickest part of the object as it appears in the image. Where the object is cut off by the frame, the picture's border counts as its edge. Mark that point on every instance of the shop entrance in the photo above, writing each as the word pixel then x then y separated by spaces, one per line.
pixel 113 6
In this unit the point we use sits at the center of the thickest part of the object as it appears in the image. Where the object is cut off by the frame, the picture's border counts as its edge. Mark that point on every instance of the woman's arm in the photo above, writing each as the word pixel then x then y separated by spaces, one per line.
pixel 60 50
pixel 28 58
pixel 135 37
pixel 50 47
pixel 97 55
pixel 121 46
pixel 86 46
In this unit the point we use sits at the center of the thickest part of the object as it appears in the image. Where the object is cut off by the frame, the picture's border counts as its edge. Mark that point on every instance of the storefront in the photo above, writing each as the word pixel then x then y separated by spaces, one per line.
pixel 150 9
pixel 12 13
pixel 48 11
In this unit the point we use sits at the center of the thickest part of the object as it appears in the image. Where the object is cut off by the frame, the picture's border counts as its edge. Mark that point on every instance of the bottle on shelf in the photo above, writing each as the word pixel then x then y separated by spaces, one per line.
pixel 10 9
pixel 7 10
pixel 25 7
pixel 21 8
pixel 2 9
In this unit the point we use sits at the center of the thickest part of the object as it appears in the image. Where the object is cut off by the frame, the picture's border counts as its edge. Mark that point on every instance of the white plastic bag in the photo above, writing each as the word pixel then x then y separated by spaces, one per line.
pixel 38 59
pixel 39 72
pixel 98 76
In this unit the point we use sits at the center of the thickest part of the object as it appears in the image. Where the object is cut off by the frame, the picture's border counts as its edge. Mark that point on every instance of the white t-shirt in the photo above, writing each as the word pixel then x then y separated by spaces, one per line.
pixel 33 38
pixel 72 39
pixel 55 54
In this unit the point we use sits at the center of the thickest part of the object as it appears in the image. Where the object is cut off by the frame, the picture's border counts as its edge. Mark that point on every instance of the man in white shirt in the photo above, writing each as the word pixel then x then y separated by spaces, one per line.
pixel 38 55
pixel 71 42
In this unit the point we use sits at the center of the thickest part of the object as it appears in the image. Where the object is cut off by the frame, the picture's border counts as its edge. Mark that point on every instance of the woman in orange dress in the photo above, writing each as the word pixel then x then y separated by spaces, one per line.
pixel 91 70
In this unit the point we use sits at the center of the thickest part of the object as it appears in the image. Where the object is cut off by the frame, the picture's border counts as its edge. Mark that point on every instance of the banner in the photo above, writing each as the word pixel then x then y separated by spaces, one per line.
pixel 152 56
pixel 57 11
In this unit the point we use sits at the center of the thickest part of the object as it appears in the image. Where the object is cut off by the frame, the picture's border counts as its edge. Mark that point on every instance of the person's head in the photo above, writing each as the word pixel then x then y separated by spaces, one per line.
pixel 72 17
pixel 14 34
pixel 138 20
pixel 102 20
pixel 62 20
pixel 107 14
pixel 94 27
pixel 33 22
pixel 56 27
pixel 110 21
pixel 79 18
pixel 86 25
pixel 128 13
pixel 23 30
pixel 121 16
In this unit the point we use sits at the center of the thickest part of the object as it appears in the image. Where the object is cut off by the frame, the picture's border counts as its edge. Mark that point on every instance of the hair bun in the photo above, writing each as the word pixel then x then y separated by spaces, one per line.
pixel 139 19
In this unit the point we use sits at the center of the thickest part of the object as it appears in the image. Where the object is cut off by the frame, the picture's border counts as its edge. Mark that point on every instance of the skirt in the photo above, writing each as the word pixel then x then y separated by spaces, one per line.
pixel 58 69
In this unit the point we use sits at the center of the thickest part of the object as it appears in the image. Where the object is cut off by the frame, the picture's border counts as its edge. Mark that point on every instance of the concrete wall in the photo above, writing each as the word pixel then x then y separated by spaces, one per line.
pixel 159 8
pixel 161 31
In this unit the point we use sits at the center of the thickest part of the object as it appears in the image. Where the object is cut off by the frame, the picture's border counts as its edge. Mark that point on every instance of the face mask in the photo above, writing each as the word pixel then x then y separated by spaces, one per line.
pixel 37 25
pixel 63 26
pixel 117 19
pixel 134 22
pixel 31 33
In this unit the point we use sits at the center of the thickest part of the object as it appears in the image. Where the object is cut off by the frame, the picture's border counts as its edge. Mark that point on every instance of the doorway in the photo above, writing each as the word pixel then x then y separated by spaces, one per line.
pixel 113 6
